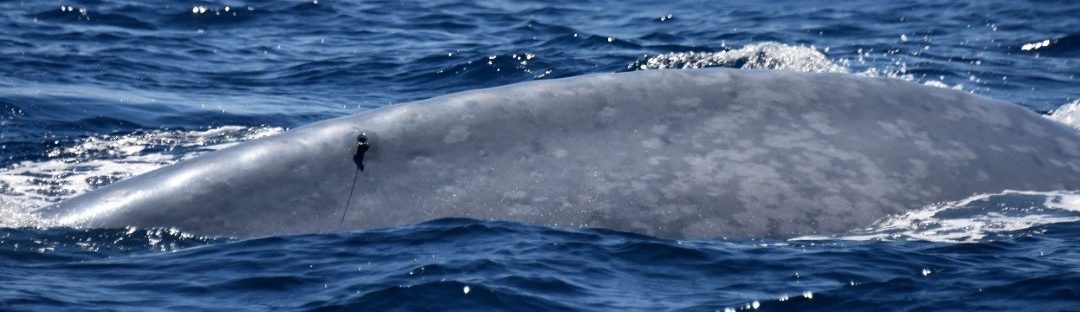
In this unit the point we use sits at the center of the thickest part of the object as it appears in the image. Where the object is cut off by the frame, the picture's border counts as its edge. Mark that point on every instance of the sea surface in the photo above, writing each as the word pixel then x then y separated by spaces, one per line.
pixel 92 92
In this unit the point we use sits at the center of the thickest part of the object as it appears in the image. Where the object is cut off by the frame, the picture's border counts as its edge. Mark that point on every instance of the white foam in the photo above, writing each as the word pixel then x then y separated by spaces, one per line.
pixel 93 162
pixel 972 219
pixel 1068 114
pixel 779 56
pixel 767 55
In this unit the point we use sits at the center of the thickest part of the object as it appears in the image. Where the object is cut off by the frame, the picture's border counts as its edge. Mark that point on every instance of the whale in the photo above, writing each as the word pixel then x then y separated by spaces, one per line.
pixel 680 154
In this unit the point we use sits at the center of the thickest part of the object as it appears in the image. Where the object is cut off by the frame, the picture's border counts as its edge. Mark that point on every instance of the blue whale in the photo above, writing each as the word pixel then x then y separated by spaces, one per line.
pixel 672 153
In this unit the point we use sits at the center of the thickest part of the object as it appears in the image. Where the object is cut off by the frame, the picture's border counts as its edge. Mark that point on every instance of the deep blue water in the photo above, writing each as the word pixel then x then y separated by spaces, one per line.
pixel 509 266
pixel 95 91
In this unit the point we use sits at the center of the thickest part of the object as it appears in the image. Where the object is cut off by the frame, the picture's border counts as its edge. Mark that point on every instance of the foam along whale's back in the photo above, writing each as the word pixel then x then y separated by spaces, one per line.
pixel 675 153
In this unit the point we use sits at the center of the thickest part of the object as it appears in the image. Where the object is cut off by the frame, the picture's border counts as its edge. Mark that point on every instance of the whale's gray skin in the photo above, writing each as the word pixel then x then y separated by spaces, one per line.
pixel 674 154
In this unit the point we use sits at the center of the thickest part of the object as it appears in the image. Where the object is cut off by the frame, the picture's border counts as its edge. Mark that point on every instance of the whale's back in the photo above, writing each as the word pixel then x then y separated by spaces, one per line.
pixel 686 154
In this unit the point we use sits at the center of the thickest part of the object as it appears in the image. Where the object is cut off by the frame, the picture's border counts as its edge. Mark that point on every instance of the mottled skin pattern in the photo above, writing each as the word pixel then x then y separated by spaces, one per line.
pixel 677 154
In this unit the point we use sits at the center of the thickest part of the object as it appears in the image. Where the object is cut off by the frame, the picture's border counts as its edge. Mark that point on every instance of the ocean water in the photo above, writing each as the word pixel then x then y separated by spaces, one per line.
pixel 92 92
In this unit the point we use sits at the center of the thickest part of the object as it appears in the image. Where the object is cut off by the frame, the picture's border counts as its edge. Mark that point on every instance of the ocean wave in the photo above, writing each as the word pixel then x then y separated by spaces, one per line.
pixel 66 244
pixel 468 265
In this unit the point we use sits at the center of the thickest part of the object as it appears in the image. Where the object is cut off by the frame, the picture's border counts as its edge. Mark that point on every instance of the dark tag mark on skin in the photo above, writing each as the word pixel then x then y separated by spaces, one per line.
pixel 362 147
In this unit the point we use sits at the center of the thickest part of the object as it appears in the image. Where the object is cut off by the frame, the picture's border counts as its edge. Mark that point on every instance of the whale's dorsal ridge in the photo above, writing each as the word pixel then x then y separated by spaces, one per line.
pixel 681 154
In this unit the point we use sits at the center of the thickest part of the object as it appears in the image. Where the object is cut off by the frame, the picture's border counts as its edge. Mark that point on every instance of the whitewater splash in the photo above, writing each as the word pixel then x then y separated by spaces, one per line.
pixel 88 163
pixel 767 55
pixel 779 56
pixel 1068 114
pixel 974 219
